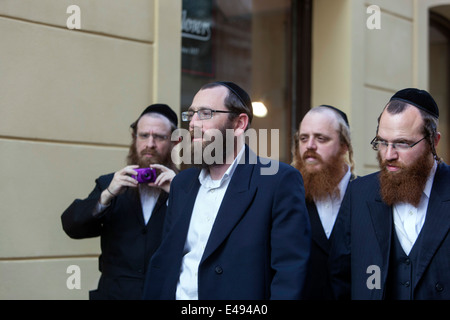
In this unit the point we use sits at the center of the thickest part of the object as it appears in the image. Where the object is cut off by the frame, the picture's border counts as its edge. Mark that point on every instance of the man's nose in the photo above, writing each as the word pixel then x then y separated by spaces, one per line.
pixel 151 142
pixel 391 153
pixel 194 121
pixel 311 144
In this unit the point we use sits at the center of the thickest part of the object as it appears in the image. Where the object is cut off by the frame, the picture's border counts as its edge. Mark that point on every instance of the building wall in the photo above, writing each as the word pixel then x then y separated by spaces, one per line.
pixel 358 69
pixel 68 98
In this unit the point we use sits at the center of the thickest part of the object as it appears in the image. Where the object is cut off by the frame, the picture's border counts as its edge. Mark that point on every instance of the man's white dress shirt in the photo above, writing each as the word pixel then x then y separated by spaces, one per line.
pixel 409 220
pixel 328 208
pixel 206 207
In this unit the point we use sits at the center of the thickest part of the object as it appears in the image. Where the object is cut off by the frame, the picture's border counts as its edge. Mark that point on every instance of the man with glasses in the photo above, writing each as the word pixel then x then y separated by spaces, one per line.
pixel 397 220
pixel 127 215
pixel 231 231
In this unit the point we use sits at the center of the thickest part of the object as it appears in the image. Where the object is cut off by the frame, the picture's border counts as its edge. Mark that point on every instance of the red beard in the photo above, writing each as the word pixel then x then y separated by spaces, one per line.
pixel 324 182
pixel 406 185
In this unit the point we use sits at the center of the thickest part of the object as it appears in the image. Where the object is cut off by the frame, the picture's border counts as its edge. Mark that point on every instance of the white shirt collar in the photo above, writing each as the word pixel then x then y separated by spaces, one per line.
pixel 342 188
pixel 205 177
pixel 409 220
pixel 344 183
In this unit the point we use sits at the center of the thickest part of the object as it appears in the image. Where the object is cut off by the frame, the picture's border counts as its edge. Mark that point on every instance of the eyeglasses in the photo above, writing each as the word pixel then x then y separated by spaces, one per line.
pixel 156 137
pixel 203 114
pixel 399 146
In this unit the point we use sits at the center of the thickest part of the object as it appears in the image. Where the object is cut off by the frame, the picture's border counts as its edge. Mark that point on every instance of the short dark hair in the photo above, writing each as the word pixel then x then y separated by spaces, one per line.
pixel 233 103
pixel 430 122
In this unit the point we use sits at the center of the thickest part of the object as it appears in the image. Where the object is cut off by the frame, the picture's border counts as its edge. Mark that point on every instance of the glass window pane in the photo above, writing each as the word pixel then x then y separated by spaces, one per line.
pixel 247 42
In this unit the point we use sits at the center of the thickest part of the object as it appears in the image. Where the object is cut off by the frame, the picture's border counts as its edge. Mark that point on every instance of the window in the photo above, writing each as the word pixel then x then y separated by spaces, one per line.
pixel 439 62
pixel 261 45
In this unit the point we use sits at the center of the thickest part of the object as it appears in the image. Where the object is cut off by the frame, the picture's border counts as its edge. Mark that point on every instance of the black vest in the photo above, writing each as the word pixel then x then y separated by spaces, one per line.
pixel 401 278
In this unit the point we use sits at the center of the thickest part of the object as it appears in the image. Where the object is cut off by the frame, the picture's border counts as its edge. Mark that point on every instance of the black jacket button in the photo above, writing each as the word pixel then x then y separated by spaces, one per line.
pixel 218 270
pixel 439 287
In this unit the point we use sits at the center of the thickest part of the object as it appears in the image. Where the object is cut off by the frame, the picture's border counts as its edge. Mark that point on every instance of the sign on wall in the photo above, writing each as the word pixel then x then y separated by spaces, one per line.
pixel 197 38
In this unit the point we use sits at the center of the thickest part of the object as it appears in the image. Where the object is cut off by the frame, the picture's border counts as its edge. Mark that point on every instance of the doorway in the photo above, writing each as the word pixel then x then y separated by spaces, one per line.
pixel 439 69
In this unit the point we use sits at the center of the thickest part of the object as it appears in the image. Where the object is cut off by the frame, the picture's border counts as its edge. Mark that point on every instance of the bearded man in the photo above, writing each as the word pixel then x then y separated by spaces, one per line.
pixel 323 153
pixel 127 215
pixel 231 232
pixel 395 223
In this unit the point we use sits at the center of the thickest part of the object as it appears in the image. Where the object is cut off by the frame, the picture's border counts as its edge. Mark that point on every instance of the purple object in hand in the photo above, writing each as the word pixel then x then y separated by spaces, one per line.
pixel 145 175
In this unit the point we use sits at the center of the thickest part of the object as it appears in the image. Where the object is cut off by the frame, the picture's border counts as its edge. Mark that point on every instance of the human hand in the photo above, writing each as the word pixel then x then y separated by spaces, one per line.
pixel 122 179
pixel 164 178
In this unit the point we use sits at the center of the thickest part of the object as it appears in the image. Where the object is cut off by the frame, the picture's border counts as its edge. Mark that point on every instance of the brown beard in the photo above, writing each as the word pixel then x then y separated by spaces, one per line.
pixel 196 133
pixel 406 185
pixel 134 158
pixel 322 183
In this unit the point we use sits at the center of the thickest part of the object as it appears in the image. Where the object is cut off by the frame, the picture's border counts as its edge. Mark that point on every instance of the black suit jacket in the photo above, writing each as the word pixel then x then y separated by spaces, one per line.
pixel 366 235
pixel 259 244
pixel 127 243
pixel 318 282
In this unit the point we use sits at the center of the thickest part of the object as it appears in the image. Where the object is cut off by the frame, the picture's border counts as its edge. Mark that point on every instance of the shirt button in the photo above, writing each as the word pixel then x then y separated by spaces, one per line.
pixel 411 213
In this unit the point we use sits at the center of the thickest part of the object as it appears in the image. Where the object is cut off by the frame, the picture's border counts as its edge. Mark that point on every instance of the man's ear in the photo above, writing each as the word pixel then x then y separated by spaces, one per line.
pixel 240 124
pixel 436 139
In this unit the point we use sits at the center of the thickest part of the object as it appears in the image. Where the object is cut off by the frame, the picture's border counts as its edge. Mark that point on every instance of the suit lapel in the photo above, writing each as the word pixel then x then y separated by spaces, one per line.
pixel 381 216
pixel 318 234
pixel 382 221
pixel 437 221
pixel 157 213
pixel 134 204
pixel 185 207
pixel 162 199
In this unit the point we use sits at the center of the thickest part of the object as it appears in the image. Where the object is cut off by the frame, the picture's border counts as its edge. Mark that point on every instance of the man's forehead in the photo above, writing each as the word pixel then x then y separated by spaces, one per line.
pixel 319 122
pixel 202 107
pixel 153 121
pixel 407 123
pixel 210 96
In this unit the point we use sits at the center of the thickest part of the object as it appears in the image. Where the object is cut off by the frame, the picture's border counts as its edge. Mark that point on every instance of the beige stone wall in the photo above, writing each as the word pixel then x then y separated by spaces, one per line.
pixel 67 100
pixel 388 67
pixel 359 69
